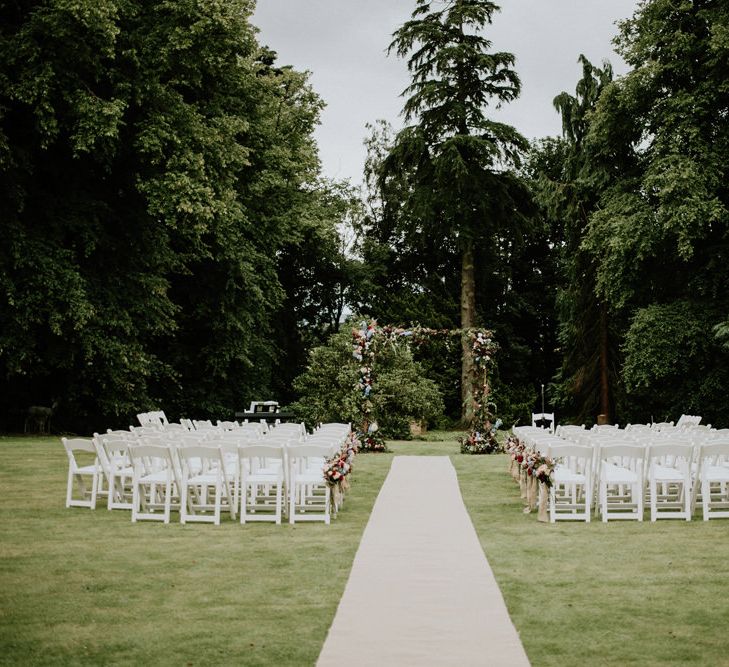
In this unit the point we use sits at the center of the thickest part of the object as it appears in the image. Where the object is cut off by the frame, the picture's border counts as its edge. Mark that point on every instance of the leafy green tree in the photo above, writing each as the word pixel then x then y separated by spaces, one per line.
pixel 154 161
pixel 661 232
pixel 316 268
pixel 666 349
pixel 451 165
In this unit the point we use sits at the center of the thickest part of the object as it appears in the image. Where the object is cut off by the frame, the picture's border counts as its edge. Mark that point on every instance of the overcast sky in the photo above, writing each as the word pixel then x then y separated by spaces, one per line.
pixel 343 44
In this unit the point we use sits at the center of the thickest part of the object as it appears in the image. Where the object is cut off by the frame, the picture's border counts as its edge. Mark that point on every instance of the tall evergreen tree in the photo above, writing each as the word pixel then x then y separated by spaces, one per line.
pixel 568 187
pixel 454 158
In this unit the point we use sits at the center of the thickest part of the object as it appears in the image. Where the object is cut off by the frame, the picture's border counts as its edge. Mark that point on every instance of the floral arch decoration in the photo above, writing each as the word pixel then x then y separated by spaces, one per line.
pixel 481 344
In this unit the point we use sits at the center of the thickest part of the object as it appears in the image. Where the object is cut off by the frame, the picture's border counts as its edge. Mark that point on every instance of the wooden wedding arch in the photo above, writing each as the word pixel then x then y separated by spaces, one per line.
pixel 370 336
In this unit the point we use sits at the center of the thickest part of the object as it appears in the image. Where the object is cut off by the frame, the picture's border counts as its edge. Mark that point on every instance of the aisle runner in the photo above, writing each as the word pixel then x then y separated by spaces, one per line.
pixel 421 591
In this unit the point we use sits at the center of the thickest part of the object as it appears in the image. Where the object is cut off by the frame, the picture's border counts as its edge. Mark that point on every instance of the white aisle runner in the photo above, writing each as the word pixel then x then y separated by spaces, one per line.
pixel 421 591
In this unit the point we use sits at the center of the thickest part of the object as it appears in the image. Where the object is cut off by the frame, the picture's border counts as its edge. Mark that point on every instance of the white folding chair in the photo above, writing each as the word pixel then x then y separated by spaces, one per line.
pixel 620 490
pixel 119 469
pixel 669 480
pixel 713 479
pixel 203 468
pixel 543 417
pixel 203 425
pixel 154 484
pixel 228 425
pixel 570 497
pixel 291 429
pixel 308 491
pixel 80 469
pixel 261 482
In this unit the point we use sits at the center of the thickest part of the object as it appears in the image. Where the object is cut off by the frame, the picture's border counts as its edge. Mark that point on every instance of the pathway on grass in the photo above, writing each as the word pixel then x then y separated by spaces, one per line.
pixel 421 591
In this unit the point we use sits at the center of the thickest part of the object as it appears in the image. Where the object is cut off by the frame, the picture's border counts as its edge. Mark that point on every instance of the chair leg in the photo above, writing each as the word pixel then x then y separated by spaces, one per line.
pixel 168 500
pixel 218 500
pixel 69 488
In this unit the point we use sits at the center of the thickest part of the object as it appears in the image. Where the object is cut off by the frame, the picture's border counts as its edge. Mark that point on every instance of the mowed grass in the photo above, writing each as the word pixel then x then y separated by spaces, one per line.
pixel 83 587
pixel 622 593
pixel 88 587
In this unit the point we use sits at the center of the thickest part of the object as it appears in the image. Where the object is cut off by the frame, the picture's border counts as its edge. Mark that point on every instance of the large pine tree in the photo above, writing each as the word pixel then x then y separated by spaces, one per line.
pixel 454 158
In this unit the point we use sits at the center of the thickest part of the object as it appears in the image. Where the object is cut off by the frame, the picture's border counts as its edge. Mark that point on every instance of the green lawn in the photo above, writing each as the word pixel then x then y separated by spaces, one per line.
pixel 83 587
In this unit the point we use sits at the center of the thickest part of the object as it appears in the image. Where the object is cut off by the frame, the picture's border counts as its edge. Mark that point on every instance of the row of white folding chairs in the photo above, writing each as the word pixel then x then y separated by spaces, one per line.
pixel 673 473
pixel 254 468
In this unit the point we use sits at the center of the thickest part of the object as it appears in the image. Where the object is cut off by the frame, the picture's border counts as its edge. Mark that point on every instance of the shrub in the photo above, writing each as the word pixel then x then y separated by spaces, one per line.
pixel 401 394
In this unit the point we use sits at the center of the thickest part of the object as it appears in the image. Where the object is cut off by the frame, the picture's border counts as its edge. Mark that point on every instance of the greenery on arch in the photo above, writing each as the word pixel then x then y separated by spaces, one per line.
pixel 371 338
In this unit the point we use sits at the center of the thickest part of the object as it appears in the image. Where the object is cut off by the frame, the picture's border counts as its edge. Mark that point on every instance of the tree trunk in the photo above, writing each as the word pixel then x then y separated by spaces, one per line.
pixel 468 318
pixel 604 358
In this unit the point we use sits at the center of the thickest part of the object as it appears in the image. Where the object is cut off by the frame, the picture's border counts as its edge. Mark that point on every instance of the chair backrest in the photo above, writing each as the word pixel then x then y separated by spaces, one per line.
pixel 81 446
pixel 290 427
pixel 146 430
pixel 714 452
pixel 688 420
pixel 253 427
pixel 228 425
pixel 673 454
pixel 577 458
pixel 147 458
pixel 261 456
pixel 193 457
pixel 624 455
pixel 261 452
pixel 305 451
pixel 543 417
pixel 202 424
pixel 175 428
pixel 116 450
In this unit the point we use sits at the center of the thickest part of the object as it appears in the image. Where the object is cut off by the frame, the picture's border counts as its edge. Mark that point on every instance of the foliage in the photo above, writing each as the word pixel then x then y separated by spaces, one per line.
pixel 404 394
pixel 443 184
pixel 665 348
pixel 568 189
pixel 662 227
pixel 157 176
pixel 327 388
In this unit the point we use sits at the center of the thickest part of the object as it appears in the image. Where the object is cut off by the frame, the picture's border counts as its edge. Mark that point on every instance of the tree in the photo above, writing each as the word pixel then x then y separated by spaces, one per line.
pixel 153 163
pixel 661 232
pixel 454 159
pixel 568 186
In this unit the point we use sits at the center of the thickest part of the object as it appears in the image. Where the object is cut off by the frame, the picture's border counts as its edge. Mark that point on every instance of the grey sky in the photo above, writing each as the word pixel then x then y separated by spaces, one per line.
pixel 343 43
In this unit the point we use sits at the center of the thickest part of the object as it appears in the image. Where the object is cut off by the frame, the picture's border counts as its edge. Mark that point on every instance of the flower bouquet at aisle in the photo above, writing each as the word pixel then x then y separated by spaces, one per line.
pixel 534 473
pixel 337 469
pixel 477 442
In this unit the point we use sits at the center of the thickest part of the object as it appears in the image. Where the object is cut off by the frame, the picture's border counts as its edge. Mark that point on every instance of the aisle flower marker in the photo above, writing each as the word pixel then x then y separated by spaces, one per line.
pixel 535 474
pixel 338 468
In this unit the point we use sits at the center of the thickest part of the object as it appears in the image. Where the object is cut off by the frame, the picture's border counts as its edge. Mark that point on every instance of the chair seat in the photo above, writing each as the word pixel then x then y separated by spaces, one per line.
pixel 716 473
pixel 617 475
pixel 563 475
pixel 261 477
pixel 206 479
pixel 667 474
pixel 310 478
pixel 154 478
